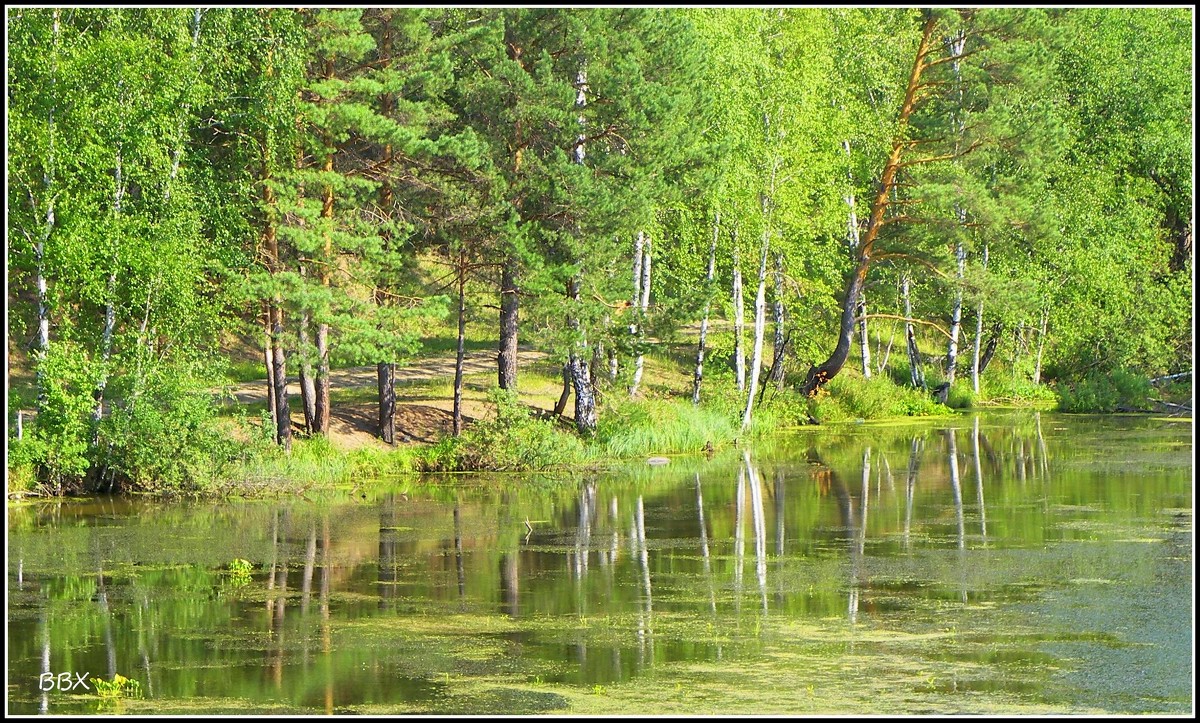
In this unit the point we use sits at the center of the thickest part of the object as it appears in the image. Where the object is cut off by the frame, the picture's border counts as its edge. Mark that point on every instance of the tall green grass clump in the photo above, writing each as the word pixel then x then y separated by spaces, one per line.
pixel 510 440
pixel 846 398
pixel 1104 392
pixel 660 426
pixel 1014 388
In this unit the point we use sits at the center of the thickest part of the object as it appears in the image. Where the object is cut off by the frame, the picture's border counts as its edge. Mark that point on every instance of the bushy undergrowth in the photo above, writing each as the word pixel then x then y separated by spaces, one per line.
pixel 632 428
pixel 845 398
pixel 511 439
pixel 1104 392
pixel 1014 388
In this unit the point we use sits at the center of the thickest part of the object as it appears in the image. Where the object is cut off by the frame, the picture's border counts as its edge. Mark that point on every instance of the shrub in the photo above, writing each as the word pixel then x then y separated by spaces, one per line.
pixel 511 440
pixel 631 428
pixel 1104 392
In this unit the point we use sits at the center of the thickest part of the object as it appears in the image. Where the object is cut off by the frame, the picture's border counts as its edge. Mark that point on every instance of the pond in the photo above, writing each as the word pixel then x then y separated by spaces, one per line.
pixel 1006 562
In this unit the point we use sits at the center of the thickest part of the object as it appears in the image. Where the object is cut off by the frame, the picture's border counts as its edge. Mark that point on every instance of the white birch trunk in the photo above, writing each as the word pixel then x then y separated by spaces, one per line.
pixel 1037 365
pixel 957 44
pixel 577 365
pixel 960 253
pixel 760 323
pixel 712 261
pixel 852 237
pixel 739 320
pixel 910 339
pixel 641 306
pixel 177 153
pixel 110 314
pixel 777 312
pixel 978 332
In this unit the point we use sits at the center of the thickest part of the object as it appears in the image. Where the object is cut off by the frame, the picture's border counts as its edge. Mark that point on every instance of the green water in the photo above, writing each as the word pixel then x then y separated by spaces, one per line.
pixel 1010 563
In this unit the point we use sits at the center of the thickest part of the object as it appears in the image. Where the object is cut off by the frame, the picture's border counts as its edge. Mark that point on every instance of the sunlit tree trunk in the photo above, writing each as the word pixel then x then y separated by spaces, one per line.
pixel 975 370
pixel 460 352
pixel 956 45
pixel 1037 365
pixel 509 312
pixel 712 261
pixel 910 339
pixel 641 304
pixel 820 374
pixel 577 366
pixel 760 323
pixel 308 390
pixel 739 319
pixel 780 342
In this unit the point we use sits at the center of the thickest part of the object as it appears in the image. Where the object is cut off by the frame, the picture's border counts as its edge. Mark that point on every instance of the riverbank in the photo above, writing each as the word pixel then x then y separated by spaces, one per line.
pixel 519 432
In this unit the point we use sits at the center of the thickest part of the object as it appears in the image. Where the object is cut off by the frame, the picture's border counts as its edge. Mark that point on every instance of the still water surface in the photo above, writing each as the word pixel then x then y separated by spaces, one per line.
pixel 1011 562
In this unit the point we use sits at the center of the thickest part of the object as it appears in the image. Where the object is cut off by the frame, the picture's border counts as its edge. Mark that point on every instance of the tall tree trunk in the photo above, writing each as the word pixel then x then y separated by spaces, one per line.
pixel 39 248
pixel 864 339
pixel 308 391
pixel 321 407
pixel 975 369
pixel 461 349
pixel 778 347
pixel 989 349
pixel 643 304
pixel 910 339
pixel 278 369
pixel 110 316
pixel 561 405
pixel 886 353
pixel 577 366
pixel 853 238
pixel 385 369
pixel 820 374
pixel 385 373
pixel 739 319
pixel 956 46
pixel 712 262
pixel 269 363
pixel 1037 365
pixel 506 360
pixel 960 252
pixel 581 383
pixel 760 323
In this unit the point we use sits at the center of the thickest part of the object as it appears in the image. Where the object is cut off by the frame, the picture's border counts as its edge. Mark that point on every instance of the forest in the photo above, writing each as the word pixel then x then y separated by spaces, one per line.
pixel 798 215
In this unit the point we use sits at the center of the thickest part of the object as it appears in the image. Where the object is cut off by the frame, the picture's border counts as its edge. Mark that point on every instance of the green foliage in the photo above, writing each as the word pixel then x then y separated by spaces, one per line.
pixel 1000 386
pixel 960 395
pixel 661 426
pixel 510 440
pixel 847 398
pixel 1112 391
pixel 118 687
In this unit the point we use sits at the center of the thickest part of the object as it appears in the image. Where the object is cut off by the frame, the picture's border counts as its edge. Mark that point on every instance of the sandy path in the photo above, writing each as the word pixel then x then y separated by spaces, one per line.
pixel 421 370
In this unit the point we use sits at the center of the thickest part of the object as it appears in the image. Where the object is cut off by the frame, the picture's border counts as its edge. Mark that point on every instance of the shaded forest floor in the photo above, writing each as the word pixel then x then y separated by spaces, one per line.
pixel 424 397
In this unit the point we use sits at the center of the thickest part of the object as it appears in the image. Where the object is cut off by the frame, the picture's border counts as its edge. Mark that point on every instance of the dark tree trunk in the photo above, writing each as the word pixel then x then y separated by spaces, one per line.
pixel 268 363
pixel 386 375
pixel 283 416
pixel 916 375
pixel 822 373
pixel 308 392
pixel 780 343
pixel 561 405
pixel 321 407
pixel 712 264
pixel 989 349
pixel 509 306
pixel 581 381
pixel 458 359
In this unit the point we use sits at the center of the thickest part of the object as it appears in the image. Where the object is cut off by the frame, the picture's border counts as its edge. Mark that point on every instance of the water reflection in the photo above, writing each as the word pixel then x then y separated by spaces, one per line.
pixel 419 584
